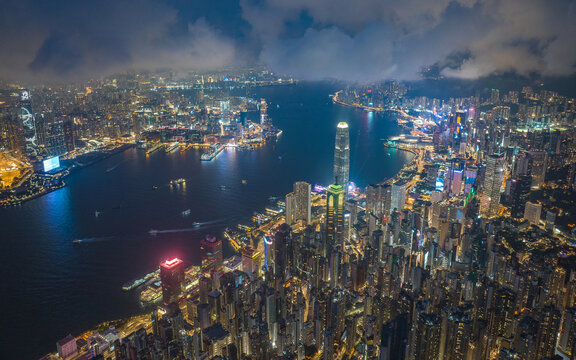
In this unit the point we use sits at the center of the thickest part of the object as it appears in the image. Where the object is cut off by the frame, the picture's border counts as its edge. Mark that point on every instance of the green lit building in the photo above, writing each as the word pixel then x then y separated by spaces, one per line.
pixel 335 214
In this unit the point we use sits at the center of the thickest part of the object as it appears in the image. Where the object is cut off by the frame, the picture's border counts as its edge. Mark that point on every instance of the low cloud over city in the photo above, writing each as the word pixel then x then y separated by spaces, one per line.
pixel 362 41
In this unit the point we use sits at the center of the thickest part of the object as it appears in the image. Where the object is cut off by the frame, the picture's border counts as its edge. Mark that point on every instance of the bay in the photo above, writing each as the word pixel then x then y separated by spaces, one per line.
pixel 50 288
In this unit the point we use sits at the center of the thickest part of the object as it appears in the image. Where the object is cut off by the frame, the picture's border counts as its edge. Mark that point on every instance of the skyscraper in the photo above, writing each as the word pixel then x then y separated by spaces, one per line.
pixel 211 250
pixel 263 113
pixel 533 212
pixel 302 210
pixel 519 194
pixel 136 126
pixel 11 132
pixel 172 277
pixel 493 177
pixel 398 196
pixel 69 133
pixel 28 123
pixel 342 156
pixel 335 214
pixel 290 208
pixel 378 200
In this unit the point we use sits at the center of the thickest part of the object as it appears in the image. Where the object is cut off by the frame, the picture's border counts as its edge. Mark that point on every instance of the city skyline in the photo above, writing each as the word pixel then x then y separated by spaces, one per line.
pixel 288 180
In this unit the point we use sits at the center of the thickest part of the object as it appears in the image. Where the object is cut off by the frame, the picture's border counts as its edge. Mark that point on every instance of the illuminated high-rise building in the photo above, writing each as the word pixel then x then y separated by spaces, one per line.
pixel 378 200
pixel 335 214
pixel 549 326
pixel 51 135
pixel 398 196
pixel 493 177
pixel 264 121
pixel 172 277
pixel 11 132
pixel 519 194
pixel 211 250
pixel 290 208
pixel 28 124
pixel 136 126
pixel 342 156
pixel 427 337
pixel 69 133
pixel 298 205
pixel 538 167
pixel 302 202
pixel 533 212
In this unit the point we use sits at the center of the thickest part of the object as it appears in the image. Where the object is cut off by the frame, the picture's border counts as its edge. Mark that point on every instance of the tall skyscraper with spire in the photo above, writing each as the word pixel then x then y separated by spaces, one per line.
pixel 342 156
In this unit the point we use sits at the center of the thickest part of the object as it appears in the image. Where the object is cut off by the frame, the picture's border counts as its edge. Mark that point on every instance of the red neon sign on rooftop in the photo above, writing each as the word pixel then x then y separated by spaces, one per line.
pixel 171 263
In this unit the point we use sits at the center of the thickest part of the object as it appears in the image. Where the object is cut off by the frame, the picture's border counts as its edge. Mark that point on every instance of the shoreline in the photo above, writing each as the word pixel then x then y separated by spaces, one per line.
pixel 61 176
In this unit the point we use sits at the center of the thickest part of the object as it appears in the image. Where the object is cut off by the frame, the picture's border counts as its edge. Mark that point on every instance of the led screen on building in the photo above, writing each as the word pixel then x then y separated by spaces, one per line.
pixel 52 163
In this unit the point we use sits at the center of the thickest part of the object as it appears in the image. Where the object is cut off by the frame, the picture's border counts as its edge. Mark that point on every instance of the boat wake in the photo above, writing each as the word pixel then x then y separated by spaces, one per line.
pixel 196 226
pixel 92 239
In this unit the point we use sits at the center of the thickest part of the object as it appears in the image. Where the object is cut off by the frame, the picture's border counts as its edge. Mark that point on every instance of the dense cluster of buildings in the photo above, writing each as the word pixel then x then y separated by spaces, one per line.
pixel 82 123
pixel 462 256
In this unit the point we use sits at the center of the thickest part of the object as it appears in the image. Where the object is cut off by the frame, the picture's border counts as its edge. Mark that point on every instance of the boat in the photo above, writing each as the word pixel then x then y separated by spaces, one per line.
pixel 244 182
pixel 153 232
pixel 176 182
pixel 132 284
pixel 155 187
pixel 76 241
pixel 196 224
pixel 186 212
pixel 222 187
pixel 97 213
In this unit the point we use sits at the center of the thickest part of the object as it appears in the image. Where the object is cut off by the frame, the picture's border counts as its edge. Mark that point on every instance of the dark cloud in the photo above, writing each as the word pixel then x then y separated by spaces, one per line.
pixel 363 40
pixel 376 38
pixel 77 39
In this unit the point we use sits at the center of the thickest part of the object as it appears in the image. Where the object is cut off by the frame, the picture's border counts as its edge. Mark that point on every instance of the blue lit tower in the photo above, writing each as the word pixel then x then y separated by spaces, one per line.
pixel 342 156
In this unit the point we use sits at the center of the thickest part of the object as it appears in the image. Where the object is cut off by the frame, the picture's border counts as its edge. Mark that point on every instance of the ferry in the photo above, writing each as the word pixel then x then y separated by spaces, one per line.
pixel 132 284
pixel 146 279
pixel 176 182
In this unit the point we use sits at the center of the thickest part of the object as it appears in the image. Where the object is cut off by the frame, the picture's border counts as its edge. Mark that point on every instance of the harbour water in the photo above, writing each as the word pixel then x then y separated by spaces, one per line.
pixel 51 287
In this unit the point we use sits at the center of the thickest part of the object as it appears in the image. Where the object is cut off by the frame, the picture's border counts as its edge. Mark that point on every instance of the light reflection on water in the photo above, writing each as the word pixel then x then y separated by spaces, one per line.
pixel 57 288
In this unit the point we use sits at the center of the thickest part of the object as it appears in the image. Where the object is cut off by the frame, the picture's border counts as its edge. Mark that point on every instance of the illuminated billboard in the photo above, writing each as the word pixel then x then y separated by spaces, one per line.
pixel 439 184
pixel 52 163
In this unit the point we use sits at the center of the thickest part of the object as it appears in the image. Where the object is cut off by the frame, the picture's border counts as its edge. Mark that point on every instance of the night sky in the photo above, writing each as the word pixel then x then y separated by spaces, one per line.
pixel 362 40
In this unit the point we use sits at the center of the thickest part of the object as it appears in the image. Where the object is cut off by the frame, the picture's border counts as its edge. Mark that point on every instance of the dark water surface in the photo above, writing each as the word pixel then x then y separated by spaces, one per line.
pixel 50 288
